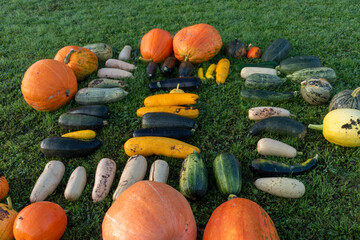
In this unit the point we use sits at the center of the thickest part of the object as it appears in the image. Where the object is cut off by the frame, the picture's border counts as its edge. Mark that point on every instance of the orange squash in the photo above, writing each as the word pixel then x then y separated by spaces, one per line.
pixel 169 99
pixel 7 218
pixel 4 186
pixel 81 60
pixel 253 52
pixel 189 112
pixel 197 43
pixel 156 45
pixel 48 85
pixel 152 211
pixel 240 219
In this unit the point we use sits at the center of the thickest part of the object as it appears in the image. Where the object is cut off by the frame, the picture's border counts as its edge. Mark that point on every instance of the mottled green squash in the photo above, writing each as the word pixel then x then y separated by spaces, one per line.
pixel 346 99
pixel 316 90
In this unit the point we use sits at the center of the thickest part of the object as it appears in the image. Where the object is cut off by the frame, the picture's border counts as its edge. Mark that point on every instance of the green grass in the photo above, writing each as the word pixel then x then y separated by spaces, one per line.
pixel 34 30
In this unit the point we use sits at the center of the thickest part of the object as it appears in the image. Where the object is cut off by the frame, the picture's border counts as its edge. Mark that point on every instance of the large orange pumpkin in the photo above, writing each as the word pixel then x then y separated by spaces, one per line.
pixel 240 219
pixel 40 221
pixel 7 218
pixel 197 43
pixel 81 60
pixel 152 211
pixel 48 85
pixel 156 45
pixel 4 186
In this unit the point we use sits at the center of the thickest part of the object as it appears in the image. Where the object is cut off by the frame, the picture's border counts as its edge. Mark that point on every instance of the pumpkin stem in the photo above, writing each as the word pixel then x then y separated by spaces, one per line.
pixel 9 202
pixel 144 59
pixel 250 46
pixel 67 58
pixel 355 92
pixel 186 59
pixel 299 153
pixel 316 127
pixel 231 196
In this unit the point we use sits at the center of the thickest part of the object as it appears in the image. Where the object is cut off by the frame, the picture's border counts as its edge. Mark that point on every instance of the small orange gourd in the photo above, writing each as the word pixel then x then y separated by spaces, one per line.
pixel 253 52
pixel 4 186
pixel 7 218
pixel 156 45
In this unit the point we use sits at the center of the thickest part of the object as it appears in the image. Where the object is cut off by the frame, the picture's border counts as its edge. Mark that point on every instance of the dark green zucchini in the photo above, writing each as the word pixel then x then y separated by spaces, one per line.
pixel 68 147
pixel 266 96
pixel 268 168
pixel 162 119
pixel 168 67
pixel 293 64
pixel 267 64
pixel 80 121
pixel 151 69
pixel 263 81
pixel 227 171
pixel 170 132
pixel 186 69
pixel 277 50
pixel 185 83
pixel 279 125
pixel 193 177
pixel 101 111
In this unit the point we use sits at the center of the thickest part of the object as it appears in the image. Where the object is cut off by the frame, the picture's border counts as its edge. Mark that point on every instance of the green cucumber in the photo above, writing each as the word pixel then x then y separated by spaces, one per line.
pixel 263 81
pixel 322 72
pixel 162 119
pixel 227 171
pixel 279 125
pixel 268 168
pixel 293 64
pixel 74 121
pixel 193 177
pixel 277 50
pixel 267 64
pixel 266 96
pixel 91 96
pixel 106 83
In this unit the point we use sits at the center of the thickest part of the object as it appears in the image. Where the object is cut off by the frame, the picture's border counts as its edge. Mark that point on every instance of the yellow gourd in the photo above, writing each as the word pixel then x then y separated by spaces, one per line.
pixel 201 74
pixel 210 71
pixel 222 70
pixel 82 134
pixel 190 112
pixel 7 218
pixel 170 99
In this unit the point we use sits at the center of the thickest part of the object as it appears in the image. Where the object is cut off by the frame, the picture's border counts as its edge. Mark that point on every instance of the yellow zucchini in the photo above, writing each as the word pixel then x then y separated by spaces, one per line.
pixel 222 70
pixel 104 176
pixel 190 112
pixel 201 74
pixel 159 171
pixel 75 184
pixel 169 99
pixel 210 71
pixel 82 134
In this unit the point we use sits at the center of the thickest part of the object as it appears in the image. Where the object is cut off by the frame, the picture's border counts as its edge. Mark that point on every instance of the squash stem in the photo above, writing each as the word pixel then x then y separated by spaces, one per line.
pixel 9 202
pixel 299 153
pixel 231 196
pixel 316 127
pixel 144 59
pixel 67 58
pixel 355 92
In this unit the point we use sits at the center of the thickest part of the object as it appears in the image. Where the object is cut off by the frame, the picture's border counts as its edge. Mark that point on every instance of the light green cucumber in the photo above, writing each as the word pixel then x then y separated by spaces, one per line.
pixel 88 96
pixel 106 83
pixel 322 72
pixel 263 81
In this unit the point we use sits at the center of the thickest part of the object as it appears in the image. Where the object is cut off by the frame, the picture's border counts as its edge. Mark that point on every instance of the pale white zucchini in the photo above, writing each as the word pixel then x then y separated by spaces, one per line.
pixel 125 53
pixel 113 73
pixel 271 147
pixel 247 71
pixel 281 186
pixel 47 181
pixel 115 63
pixel 76 184
pixel 105 173
pixel 159 171
pixel 90 96
pixel 134 171
pixel 259 113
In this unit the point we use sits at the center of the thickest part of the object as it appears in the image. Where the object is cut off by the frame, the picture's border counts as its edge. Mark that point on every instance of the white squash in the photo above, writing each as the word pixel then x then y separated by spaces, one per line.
pixel 105 173
pixel 281 186
pixel 125 53
pixel 75 184
pixel 271 147
pixel 247 71
pixel 159 171
pixel 259 113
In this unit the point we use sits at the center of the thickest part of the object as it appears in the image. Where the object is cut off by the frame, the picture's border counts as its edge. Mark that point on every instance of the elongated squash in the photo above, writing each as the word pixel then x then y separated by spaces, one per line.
pixel 222 70
pixel 169 99
pixel 271 147
pixel 91 96
pixel 74 121
pixel 189 112
pixel 247 71
pixel 281 186
pixel 104 177
pixel 148 146
pixel 82 134
pixel 200 74
pixel 106 83
pixel 159 171
pixel 76 184
pixel 259 113
pixel 100 111
pixel 210 71
pixel 162 119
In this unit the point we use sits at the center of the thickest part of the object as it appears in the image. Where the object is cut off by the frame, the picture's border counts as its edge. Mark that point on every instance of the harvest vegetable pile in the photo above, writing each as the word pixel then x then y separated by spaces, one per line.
pixel 176 68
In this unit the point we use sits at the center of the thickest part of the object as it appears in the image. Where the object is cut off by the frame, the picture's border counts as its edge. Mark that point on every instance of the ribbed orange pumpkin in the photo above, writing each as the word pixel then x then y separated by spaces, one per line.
pixel 156 45
pixel 48 85
pixel 4 186
pixel 152 211
pixel 197 43
pixel 40 221
pixel 81 60
pixel 240 219
pixel 7 218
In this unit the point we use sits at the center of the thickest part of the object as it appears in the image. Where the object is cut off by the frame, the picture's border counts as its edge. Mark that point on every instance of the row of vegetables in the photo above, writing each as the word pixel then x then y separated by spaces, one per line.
pixel 167 119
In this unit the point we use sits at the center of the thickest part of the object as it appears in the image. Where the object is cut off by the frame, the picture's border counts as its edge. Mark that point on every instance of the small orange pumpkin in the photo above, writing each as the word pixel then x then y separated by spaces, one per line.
pixel 156 45
pixel 4 186
pixel 48 85
pixel 81 60
pixel 7 218
pixel 40 221
pixel 197 43
pixel 253 52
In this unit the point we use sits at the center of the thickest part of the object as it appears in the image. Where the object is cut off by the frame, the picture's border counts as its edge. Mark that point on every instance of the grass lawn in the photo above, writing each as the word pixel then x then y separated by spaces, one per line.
pixel 32 30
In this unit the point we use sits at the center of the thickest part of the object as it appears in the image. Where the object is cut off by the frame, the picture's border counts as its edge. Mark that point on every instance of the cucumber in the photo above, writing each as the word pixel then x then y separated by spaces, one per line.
pixel 268 168
pixel 68 147
pixel 277 50
pixel 227 171
pixel 185 83
pixel 279 125
pixel 91 96
pixel 106 83
pixel 193 177
pixel 248 71
pixel 263 81
pixel 186 69
pixel 161 119
pixel 80 121
pixel 303 74
pixel 266 96
pixel 267 64
pixel 170 132
pixel 293 64
pixel 151 69
pixel 168 67
pixel 102 51
pixel 93 110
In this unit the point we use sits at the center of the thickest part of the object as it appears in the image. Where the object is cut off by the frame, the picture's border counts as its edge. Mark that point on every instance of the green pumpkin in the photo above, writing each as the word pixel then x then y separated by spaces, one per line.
pixel 315 90
pixel 346 99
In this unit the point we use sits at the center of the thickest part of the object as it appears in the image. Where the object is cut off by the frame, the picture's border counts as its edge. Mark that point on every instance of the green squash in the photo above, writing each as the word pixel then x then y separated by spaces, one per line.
pixel 346 99
pixel 315 90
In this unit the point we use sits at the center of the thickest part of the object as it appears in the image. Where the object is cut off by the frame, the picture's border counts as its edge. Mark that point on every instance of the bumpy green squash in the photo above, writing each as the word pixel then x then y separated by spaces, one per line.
pixel 346 99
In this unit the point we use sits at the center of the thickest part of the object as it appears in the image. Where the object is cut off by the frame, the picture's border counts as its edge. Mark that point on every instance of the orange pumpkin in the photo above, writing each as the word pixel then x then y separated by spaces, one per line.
pixel 81 60
pixel 48 85
pixel 4 186
pixel 156 45
pixel 152 211
pixel 240 219
pixel 40 221
pixel 7 218
pixel 197 43
pixel 253 52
